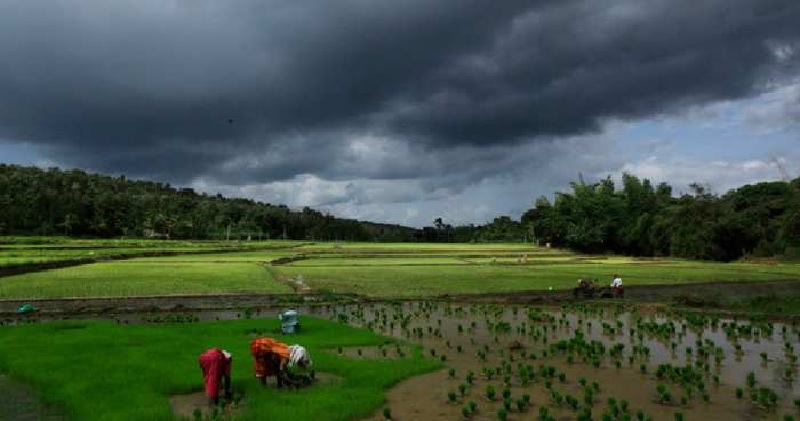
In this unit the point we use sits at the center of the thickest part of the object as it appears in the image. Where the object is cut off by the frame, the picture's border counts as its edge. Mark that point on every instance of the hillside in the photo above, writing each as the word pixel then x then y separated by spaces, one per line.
pixel 35 201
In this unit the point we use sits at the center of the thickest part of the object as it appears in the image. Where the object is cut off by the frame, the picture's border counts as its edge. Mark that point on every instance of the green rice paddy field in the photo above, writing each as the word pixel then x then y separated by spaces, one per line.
pixel 105 370
pixel 93 370
pixel 35 250
pixel 375 270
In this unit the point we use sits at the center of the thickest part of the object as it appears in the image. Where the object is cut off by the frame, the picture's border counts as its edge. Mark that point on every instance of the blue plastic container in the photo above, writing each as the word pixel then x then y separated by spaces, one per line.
pixel 289 321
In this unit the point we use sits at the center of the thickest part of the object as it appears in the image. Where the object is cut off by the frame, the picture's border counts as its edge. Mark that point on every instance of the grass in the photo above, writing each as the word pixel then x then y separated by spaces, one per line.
pixel 377 270
pixel 248 256
pixel 405 247
pixel 127 279
pixel 436 279
pixel 103 371
pixel 22 251
pixel 378 261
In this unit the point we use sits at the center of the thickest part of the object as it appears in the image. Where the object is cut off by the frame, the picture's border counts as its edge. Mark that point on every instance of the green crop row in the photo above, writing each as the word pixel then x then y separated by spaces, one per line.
pixel 104 371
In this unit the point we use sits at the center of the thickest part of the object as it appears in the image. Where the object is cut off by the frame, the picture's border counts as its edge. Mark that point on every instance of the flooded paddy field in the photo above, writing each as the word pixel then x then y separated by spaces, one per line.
pixel 574 361
pixel 586 362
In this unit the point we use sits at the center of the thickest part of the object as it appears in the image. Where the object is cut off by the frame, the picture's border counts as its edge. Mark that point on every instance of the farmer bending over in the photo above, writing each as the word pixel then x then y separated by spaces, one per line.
pixel 299 365
pixel 216 365
pixel 273 358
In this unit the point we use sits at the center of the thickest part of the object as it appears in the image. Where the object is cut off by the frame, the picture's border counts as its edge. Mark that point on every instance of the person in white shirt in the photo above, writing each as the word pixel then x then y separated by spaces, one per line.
pixel 616 287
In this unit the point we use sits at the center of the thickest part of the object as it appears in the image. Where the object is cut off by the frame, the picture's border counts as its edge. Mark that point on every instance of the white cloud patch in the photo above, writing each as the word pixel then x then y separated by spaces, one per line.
pixel 721 176
pixel 463 185
pixel 776 110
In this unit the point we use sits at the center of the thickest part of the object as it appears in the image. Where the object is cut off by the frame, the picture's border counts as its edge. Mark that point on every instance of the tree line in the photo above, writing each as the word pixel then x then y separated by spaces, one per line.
pixel 640 219
pixel 636 218
pixel 35 201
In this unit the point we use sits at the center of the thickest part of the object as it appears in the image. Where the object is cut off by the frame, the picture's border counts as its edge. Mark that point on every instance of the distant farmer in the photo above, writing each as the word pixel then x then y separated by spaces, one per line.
pixel 585 288
pixel 274 358
pixel 616 286
pixel 216 366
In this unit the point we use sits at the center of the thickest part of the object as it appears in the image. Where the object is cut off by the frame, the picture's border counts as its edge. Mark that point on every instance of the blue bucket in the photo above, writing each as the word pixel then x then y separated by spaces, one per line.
pixel 289 321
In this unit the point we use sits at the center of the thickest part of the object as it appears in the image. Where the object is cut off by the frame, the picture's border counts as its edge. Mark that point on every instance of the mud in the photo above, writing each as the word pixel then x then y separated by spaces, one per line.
pixel 701 294
pixel 185 406
pixel 20 402
pixel 436 327
pixel 385 352
pixel 481 336
pixel 173 303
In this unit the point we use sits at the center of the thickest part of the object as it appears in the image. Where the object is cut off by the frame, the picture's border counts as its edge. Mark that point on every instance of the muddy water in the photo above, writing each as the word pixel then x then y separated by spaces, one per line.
pixel 147 317
pixel 500 338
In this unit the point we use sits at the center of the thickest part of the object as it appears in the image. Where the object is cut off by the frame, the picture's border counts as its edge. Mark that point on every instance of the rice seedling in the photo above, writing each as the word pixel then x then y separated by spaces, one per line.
pixel 491 393
pixel 502 414
pixel 451 397
pixel 466 412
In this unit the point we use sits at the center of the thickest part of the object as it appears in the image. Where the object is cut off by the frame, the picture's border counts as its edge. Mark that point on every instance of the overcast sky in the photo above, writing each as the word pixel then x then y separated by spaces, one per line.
pixel 403 111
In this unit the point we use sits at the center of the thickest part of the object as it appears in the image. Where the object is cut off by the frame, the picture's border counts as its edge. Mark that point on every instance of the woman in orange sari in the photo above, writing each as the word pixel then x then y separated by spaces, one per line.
pixel 270 358
pixel 273 358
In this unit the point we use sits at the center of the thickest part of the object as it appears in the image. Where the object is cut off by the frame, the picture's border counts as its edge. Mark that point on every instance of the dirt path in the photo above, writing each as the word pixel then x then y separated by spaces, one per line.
pixel 297 284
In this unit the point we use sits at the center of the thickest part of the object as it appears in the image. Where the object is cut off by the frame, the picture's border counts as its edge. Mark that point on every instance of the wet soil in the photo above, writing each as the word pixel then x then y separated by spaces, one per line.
pixel 503 333
pixel 20 402
pixel 386 352
pixel 185 406
pixel 507 341
pixel 707 294
pixel 174 303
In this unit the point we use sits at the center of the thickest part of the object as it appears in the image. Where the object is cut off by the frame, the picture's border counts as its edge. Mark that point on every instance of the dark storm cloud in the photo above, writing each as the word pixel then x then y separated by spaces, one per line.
pixel 563 69
pixel 265 90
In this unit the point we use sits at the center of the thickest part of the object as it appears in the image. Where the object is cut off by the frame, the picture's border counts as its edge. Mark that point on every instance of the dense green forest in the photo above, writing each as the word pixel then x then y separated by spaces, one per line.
pixel 35 201
pixel 636 218
pixel 644 220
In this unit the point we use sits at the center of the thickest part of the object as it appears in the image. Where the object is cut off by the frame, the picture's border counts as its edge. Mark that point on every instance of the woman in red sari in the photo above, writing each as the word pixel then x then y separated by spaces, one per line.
pixel 216 366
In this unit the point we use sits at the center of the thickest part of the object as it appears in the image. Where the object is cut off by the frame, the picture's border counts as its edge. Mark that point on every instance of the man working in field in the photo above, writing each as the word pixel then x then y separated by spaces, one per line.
pixel 585 288
pixel 274 358
pixel 216 366
pixel 616 286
